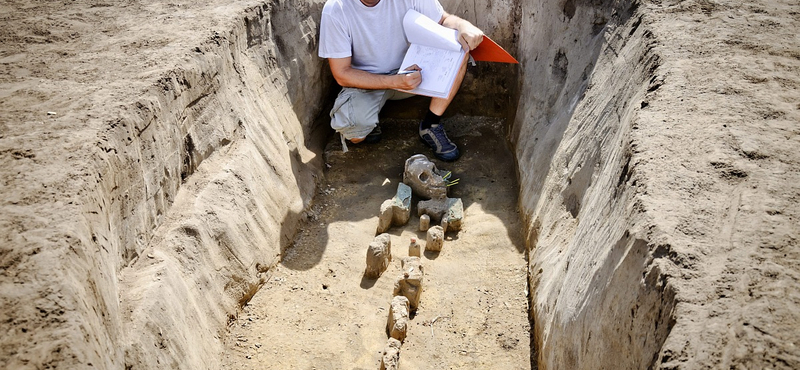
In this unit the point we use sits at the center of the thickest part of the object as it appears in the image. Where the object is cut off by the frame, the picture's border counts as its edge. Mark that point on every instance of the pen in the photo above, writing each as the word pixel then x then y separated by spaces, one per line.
pixel 407 72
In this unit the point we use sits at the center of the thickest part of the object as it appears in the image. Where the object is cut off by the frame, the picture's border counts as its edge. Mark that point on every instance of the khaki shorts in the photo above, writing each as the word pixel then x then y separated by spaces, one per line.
pixel 355 112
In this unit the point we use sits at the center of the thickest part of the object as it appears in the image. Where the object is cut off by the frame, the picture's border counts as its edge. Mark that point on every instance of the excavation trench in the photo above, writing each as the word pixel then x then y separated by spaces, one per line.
pixel 230 236
pixel 564 285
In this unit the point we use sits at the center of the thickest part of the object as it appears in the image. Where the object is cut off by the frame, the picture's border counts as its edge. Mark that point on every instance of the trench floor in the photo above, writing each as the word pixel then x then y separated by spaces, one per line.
pixel 317 311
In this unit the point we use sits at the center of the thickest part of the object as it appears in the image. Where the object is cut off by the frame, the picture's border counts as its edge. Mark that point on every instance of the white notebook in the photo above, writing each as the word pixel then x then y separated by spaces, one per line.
pixel 435 49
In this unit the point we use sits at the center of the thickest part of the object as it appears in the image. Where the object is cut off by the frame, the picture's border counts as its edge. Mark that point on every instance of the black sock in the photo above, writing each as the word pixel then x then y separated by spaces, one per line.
pixel 429 120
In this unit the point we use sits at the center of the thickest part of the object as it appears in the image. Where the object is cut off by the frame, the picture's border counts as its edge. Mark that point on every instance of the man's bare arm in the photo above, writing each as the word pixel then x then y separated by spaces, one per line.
pixel 468 35
pixel 347 76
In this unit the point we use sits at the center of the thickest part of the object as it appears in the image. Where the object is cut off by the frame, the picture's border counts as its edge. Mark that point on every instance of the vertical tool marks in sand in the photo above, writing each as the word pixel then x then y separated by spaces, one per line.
pixel 731 86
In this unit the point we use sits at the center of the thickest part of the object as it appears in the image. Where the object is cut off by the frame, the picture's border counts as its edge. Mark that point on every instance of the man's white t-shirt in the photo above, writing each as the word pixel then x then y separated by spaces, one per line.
pixel 372 36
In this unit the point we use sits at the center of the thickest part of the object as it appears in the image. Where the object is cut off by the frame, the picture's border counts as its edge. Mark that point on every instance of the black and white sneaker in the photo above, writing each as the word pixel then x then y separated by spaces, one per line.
pixel 437 139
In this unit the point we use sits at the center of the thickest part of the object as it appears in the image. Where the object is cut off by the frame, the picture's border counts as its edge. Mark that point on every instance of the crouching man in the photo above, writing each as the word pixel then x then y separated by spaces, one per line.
pixel 364 43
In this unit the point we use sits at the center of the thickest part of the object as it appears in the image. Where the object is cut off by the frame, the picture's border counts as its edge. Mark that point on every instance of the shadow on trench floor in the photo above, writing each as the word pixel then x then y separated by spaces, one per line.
pixel 318 311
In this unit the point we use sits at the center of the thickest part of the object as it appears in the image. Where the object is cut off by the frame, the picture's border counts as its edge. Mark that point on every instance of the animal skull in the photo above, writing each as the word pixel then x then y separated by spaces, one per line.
pixel 424 178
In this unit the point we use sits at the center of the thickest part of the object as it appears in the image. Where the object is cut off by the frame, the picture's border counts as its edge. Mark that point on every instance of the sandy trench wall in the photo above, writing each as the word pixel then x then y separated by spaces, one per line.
pixel 656 144
pixel 599 300
pixel 238 210
pixel 177 204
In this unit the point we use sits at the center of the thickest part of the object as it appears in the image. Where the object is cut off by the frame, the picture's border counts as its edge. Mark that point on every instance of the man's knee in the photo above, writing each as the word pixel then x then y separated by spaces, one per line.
pixel 355 112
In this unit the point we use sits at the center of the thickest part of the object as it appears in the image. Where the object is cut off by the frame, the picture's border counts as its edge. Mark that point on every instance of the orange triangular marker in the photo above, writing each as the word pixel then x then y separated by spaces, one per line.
pixel 489 51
